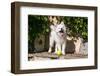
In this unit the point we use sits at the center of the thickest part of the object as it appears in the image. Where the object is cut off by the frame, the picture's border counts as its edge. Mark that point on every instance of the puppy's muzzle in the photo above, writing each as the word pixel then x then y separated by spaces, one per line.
pixel 61 31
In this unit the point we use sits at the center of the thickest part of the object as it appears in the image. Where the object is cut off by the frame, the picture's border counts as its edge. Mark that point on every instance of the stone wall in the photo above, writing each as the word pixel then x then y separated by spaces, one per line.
pixel 74 45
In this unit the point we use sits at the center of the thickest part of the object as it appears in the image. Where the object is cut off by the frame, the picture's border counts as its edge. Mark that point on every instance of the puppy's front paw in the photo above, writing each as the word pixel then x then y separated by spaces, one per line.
pixel 55 52
pixel 49 51
pixel 63 53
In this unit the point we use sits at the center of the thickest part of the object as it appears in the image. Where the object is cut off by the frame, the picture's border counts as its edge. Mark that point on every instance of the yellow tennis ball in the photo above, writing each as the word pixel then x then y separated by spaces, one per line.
pixel 59 53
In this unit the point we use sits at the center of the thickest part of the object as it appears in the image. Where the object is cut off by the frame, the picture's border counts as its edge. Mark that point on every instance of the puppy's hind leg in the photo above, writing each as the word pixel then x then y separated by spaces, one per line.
pixel 51 45
pixel 56 48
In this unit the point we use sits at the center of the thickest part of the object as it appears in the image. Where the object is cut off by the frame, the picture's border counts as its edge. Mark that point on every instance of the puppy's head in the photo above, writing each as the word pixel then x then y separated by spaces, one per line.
pixel 61 29
pixel 55 20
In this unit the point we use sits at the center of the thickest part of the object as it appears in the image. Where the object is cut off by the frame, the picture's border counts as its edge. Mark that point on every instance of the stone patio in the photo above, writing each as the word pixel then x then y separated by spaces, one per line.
pixel 51 56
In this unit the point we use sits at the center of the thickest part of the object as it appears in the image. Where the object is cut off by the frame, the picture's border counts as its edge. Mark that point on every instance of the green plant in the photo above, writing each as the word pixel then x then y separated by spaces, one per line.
pixel 77 26
pixel 36 25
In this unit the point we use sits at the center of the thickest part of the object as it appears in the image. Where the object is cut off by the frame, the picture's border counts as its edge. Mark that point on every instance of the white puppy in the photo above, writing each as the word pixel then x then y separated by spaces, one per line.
pixel 58 35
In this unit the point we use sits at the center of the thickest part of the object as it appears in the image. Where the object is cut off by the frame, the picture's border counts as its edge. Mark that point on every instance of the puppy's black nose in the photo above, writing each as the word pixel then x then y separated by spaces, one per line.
pixel 61 31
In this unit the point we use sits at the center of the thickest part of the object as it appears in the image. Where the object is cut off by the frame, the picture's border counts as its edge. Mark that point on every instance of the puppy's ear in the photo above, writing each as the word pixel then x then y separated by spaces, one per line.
pixel 50 18
pixel 62 23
